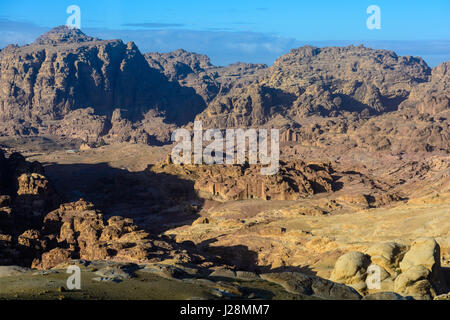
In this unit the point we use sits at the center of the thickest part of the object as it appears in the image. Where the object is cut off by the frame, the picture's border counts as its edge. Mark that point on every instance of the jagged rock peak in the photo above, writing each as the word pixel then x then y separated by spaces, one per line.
pixel 63 34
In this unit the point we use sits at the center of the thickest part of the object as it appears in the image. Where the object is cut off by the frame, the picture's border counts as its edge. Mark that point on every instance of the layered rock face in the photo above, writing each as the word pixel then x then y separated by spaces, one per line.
pixel 336 106
pixel 294 180
pixel 397 132
pixel 65 70
pixel 351 96
pixel 347 78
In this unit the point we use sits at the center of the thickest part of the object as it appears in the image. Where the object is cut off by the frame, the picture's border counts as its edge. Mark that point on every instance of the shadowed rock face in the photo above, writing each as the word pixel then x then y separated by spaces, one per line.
pixel 188 69
pixel 24 187
pixel 66 70
pixel 26 195
pixel 196 71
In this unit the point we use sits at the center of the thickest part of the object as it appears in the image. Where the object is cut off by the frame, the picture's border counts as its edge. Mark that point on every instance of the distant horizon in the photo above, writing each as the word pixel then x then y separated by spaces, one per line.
pixel 374 44
pixel 246 31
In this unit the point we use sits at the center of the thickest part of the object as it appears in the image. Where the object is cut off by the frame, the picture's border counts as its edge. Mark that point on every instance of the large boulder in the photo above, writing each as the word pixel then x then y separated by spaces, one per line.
pixel 351 269
pixel 414 282
pixel 423 252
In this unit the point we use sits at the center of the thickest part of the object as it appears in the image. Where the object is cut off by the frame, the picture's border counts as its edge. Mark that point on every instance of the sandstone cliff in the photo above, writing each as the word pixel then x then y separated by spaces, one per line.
pixel 65 70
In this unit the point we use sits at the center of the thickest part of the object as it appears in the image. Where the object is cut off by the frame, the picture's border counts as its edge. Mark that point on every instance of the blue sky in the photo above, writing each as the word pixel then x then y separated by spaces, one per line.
pixel 250 31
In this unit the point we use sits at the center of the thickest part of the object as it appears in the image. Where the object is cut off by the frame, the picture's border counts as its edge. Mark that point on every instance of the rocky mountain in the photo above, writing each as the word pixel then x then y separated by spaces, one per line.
pixel 65 70
pixel 352 96
pixel 105 91
pixel 325 82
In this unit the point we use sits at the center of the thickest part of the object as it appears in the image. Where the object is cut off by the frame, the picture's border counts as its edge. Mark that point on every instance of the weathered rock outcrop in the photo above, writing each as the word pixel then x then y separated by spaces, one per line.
pixel 351 268
pixel 343 96
pixel 402 131
pixel 188 69
pixel 293 181
pixel 78 231
pixel 196 71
